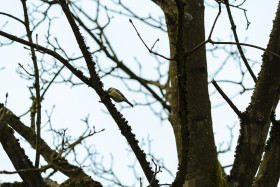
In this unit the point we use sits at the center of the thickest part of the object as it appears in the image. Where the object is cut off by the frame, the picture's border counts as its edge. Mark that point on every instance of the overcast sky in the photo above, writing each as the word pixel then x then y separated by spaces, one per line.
pixel 73 104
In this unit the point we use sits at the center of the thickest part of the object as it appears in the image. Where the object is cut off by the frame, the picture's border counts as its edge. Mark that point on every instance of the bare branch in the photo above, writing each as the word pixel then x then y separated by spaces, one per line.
pixel 234 108
pixel 149 49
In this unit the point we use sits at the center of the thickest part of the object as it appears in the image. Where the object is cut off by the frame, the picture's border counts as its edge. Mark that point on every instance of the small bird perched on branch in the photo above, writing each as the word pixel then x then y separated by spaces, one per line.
pixel 117 96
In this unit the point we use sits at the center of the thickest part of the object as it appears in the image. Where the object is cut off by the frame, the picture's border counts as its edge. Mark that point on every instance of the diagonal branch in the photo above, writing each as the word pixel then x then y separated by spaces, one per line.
pixel 234 108
pixel 98 87
pixel 121 65
pixel 269 172
pixel 149 49
pixel 57 56
pixel 49 155
pixel 255 125
pixel 233 27
pixel 16 154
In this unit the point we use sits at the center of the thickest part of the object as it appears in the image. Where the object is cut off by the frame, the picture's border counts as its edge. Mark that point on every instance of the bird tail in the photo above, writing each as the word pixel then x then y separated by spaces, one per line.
pixel 129 103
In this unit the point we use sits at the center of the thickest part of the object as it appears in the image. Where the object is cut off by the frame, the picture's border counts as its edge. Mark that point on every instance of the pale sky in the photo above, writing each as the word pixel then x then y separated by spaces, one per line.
pixel 73 104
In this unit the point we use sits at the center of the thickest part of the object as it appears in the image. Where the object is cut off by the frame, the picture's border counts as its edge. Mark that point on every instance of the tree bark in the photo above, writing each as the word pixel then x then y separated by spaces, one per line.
pixel 19 158
pixel 256 120
pixel 203 166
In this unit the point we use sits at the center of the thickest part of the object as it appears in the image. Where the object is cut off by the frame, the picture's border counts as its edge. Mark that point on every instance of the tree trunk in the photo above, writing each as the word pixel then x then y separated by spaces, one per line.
pixel 203 168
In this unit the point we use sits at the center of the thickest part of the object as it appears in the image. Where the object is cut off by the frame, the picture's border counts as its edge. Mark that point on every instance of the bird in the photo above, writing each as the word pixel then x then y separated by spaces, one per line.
pixel 117 96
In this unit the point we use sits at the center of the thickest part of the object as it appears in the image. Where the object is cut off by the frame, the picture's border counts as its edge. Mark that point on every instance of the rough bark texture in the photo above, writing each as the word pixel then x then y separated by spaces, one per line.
pixel 51 157
pixel 269 171
pixel 203 166
pixel 190 109
pixel 255 124
pixel 203 162
pixel 18 157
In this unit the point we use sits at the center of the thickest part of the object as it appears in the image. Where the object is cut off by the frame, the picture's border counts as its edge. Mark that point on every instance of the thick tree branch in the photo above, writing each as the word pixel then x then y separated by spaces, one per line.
pixel 121 65
pixel 269 172
pixel 255 124
pixel 125 129
pixel 98 87
pixel 16 153
pixel 183 106
pixel 51 157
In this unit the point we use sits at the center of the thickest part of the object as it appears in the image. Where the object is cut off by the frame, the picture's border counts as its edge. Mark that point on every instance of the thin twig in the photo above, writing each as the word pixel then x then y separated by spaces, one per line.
pixel 6 99
pixel 245 44
pixel 32 75
pixel 36 82
pixel 50 83
pixel 234 108
pixel 154 44
pixel 216 19
pixel 209 40
pixel 233 28
pixel 42 169
pixel 150 50
pixel 230 43
pixel 13 17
